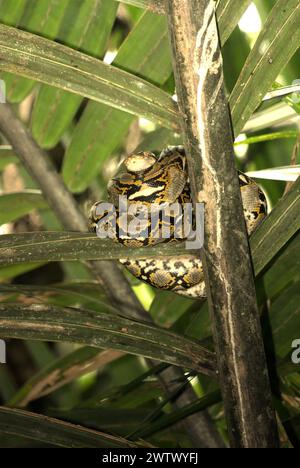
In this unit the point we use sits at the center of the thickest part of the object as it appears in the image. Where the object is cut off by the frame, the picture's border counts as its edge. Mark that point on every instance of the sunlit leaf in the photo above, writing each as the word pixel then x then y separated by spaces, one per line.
pixel 87 26
pixel 275 46
pixel 45 17
pixel 46 61
pixel 287 173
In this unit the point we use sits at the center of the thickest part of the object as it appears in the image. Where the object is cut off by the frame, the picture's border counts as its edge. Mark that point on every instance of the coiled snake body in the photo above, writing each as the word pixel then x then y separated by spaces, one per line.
pixel 149 183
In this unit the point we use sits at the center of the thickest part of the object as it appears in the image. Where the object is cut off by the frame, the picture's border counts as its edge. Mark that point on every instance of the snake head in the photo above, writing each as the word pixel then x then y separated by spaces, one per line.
pixel 139 163
pixel 144 178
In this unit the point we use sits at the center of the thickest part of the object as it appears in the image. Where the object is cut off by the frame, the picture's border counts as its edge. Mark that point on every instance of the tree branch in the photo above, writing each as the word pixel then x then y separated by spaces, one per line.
pixel 227 265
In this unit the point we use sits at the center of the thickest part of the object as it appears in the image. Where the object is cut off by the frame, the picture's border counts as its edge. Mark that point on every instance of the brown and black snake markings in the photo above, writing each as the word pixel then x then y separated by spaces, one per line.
pixel 151 182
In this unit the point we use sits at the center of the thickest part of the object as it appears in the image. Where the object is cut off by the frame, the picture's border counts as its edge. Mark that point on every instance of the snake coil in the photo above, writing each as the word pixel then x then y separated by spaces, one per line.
pixel 150 183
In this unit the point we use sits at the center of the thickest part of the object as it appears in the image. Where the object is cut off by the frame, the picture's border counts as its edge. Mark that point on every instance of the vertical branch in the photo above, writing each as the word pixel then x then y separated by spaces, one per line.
pixel 227 265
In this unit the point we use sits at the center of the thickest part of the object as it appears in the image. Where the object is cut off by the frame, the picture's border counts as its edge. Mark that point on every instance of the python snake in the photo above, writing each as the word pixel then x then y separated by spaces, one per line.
pixel 149 182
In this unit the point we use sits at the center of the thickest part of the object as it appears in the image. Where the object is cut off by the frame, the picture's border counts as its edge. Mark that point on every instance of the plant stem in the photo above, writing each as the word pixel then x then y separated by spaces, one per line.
pixel 227 264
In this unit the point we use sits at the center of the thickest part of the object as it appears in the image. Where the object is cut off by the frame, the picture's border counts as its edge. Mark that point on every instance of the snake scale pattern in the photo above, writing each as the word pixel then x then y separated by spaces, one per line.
pixel 148 181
